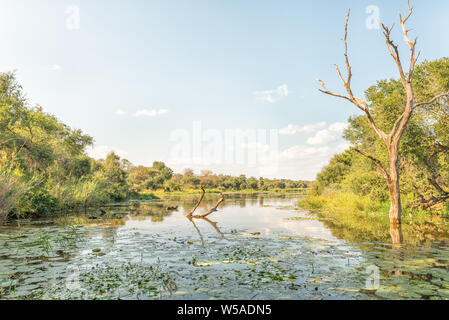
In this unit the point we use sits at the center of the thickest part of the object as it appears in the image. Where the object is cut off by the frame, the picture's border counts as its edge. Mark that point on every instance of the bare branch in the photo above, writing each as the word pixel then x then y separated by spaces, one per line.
pixel 378 163
pixel 432 201
pixel 393 49
pixel 324 90
pixel 198 204
pixel 362 105
pixel 359 103
pixel 411 44
pixel 401 123
pixel 394 52
pixel 348 66
pixel 403 21
pixel 373 126
pixel 422 104
pixel 396 123
pixel 435 184
pixel 213 209
pixel 205 214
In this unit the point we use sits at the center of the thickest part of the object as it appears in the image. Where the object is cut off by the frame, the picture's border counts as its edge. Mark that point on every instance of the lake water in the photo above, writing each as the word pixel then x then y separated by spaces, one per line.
pixel 254 247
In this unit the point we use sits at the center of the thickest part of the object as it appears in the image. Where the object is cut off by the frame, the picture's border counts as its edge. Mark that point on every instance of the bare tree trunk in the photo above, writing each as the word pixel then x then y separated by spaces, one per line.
pixel 396 241
pixel 393 186
pixel 396 235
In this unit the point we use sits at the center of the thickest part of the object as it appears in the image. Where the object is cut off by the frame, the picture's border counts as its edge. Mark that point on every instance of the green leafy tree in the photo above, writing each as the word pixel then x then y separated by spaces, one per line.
pixel 114 176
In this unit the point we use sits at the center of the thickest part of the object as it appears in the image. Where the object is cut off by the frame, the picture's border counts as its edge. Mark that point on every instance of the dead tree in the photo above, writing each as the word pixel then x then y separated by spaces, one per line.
pixel 393 138
pixel 208 212
pixel 203 216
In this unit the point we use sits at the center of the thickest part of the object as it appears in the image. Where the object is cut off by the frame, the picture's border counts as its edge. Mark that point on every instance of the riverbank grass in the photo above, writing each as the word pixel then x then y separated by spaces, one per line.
pixel 162 192
pixel 359 218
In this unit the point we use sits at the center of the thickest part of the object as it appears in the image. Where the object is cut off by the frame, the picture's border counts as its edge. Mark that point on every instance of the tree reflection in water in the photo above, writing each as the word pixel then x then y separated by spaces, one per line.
pixel 190 216
pixel 213 224
pixel 397 242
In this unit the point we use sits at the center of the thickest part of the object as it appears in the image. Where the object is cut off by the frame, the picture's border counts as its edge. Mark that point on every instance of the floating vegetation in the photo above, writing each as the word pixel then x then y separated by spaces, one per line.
pixel 140 258
pixel 301 218
pixel 283 236
pixel 127 281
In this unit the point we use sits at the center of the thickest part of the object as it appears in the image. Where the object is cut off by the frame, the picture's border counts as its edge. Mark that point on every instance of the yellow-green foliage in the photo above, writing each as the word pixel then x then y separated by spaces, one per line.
pixel 145 195
pixel 90 193
pixel 11 189
pixel 350 216
pixel 360 218
pixel 225 191
pixel 343 201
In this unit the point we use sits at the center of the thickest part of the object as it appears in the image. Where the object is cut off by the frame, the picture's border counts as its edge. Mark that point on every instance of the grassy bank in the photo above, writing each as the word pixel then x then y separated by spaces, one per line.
pixel 217 191
pixel 359 218
pixel 144 196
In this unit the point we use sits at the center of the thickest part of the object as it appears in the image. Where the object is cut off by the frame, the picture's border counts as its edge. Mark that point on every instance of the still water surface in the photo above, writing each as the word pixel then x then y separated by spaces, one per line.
pixel 255 247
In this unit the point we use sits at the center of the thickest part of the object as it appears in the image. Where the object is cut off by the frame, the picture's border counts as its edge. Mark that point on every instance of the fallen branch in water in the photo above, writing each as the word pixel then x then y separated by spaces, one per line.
pixel 205 214
pixel 212 210
pixel 198 204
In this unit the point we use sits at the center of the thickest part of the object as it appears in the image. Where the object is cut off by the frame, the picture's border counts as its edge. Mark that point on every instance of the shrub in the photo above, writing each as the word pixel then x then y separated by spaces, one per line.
pixel 90 193
pixel 37 201
pixel 11 189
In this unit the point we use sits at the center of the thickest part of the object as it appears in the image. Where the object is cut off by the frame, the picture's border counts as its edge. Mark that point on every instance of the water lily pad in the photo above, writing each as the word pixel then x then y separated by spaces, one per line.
pixel 444 293
pixel 143 261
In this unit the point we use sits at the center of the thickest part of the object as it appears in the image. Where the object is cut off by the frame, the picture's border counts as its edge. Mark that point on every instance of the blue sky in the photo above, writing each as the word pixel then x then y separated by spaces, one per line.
pixel 136 71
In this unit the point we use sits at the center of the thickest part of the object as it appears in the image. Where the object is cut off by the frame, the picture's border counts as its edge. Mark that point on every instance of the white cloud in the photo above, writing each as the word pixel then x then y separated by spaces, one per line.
pixel 326 136
pixel 322 137
pixel 120 112
pixel 55 67
pixel 303 152
pixel 293 129
pixel 338 127
pixel 271 96
pixel 150 113
pixel 302 161
pixel 100 152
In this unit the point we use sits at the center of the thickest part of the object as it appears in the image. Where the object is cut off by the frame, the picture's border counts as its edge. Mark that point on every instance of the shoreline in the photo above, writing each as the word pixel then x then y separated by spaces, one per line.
pixel 356 219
